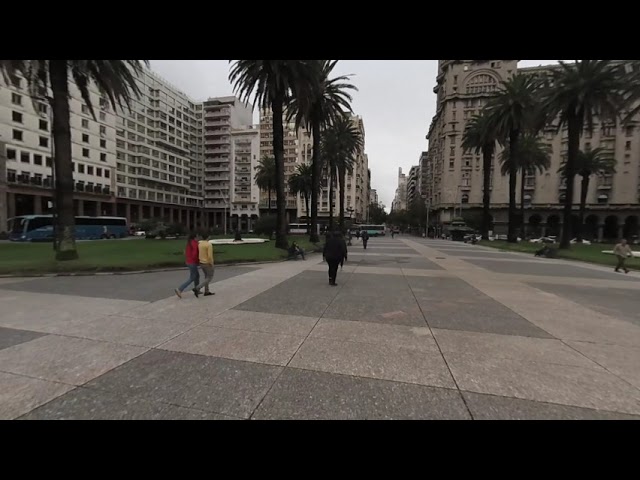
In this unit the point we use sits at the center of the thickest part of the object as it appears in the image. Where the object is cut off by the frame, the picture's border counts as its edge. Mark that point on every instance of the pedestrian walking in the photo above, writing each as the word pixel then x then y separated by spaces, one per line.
pixel 622 251
pixel 335 253
pixel 365 238
pixel 205 258
pixel 191 255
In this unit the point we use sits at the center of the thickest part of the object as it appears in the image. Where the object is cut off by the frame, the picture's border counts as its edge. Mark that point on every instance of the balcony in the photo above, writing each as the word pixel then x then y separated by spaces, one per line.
pixel 217 141
pixel 217 114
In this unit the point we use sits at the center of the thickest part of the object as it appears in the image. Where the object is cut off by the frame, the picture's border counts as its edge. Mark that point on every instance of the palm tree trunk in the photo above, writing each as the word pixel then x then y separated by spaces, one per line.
pixel 341 174
pixel 522 224
pixel 331 178
pixel 316 173
pixel 269 206
pixel 573 126
pixel 584 190
pixel 512 235
pixel 278 151
pixel 58 76
pixel 487 153
pixel 306 204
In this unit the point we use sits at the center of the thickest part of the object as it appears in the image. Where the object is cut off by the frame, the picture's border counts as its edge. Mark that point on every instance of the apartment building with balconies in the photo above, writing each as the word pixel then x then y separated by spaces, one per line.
pixel 413 185
pixel 454 176
pixel 245 194
pixel 399 202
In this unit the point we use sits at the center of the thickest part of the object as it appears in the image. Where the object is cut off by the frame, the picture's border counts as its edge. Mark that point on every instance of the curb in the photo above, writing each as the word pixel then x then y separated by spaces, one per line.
pixel 134 272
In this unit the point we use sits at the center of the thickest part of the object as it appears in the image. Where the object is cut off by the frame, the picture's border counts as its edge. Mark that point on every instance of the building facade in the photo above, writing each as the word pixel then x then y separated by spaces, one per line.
pixel 400 199
pixel 245 194
pixel 423 175
pixel 413 184
pixel 454 176
pixel 373 197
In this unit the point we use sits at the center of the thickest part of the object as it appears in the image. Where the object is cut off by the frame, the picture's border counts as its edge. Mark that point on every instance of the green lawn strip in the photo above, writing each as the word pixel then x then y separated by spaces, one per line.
pixel 129 255
pixel 584 253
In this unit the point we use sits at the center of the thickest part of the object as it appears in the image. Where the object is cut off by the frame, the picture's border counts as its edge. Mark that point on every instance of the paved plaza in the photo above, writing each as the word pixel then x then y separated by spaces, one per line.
pixel 415 329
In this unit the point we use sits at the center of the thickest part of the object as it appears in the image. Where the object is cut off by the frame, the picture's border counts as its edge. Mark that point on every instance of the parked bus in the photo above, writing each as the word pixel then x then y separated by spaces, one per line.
pixel 373 230
pixel 39 228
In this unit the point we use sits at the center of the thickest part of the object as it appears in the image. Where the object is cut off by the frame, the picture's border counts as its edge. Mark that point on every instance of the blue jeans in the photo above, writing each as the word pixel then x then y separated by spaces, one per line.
pixel 194 277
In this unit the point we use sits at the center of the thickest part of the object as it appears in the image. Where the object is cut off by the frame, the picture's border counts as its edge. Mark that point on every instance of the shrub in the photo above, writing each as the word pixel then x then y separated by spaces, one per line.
pixel 4 236
pixel 265 225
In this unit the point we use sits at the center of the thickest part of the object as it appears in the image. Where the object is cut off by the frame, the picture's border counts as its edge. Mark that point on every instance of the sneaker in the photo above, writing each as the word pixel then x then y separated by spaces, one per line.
pixel 196 292
pixel 207 294
pixel 178 293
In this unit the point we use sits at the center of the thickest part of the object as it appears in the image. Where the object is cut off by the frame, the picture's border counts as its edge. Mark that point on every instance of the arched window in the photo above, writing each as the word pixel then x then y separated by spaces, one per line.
pixel 604 198
pixel 465 198
pixel 481 83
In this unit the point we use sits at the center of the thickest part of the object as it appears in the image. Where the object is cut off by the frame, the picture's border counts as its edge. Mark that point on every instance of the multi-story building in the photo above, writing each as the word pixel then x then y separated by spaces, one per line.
pixel 357 181
pixel 455 175
pixel 413 185
pixel 373 197
pixel 423 177
pixel 3 188
pixel 245 194
pixel 222 116
pixel 400 200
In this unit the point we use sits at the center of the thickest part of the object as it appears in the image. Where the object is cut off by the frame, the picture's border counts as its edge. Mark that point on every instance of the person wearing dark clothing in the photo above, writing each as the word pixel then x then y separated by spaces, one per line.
pixel 335 252
pixel 365 238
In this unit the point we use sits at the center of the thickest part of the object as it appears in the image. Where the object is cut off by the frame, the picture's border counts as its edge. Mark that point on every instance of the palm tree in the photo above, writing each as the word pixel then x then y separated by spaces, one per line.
pixel 533 155
pixel 266 176
pixel 115 78
pixel 576 94
pixel 301 183
pixel 273 84
pixel 481 139
pixel 328 101
pixel 341 141
pixel 592 162
pixel 510 113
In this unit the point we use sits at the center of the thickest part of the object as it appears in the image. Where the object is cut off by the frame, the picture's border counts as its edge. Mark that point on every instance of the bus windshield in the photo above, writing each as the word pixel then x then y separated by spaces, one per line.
pixel 16 225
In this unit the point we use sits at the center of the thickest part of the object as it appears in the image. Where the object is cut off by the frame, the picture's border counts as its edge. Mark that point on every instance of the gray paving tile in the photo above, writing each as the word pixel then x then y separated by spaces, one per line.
pixel 147 287
pixel 67 360
pixel 306 395
pixel 452 304
pixel 396 309
pixel 212 384
pixel 492 407
pixel 545 382
pixel 19 395
pixel 379 361
pixel 547 269
pixel 307 294
pixel 617 302
pixel 250 346
pixel 10 337
pixel 417 338
pixel 88 404
pixel 264 322
pixel 620 360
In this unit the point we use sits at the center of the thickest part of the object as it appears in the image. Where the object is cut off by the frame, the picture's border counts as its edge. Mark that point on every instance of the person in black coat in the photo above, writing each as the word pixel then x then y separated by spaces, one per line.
pixel 335 252
pixel 365 239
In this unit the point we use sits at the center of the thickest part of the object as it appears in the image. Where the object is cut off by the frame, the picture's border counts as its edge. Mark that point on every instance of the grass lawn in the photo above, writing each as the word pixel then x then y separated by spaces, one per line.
pixel 586 253
pixel 122 255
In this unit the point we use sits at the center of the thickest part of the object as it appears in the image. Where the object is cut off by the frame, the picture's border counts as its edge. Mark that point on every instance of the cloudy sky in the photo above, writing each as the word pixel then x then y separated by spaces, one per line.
pixel 395 100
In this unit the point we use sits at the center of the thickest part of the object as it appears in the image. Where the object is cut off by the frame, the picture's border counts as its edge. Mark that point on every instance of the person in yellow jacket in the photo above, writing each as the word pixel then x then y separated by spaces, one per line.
pixel 205 254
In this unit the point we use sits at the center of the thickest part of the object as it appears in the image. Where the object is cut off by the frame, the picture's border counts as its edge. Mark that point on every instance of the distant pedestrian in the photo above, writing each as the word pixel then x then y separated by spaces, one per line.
pixel 335 253
pixel 622 251
pixel 205 257
pixel 191 255
pixel 365 238
pixel 393 233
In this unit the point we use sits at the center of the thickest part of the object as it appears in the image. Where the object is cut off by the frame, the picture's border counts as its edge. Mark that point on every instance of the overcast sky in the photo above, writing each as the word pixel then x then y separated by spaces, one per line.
pixel 395 99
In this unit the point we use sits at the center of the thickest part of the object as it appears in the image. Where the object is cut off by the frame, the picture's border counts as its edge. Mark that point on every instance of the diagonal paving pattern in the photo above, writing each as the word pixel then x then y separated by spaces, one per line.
pixel 416 329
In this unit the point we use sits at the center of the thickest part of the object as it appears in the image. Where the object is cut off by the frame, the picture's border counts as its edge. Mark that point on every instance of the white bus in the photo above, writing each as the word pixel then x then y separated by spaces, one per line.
pixel 373 230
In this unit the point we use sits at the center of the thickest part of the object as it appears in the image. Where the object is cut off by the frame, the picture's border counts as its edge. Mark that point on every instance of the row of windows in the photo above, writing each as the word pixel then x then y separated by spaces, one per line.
pixel 25 157
pixel 18 135
pixel 90 169
pixel 18 117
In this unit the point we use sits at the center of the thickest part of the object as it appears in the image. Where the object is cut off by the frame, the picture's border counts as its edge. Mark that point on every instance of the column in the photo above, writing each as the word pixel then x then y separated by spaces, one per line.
pixel 37 205
pixel 620 231
pixel 80 208
pixel 98 208
pixel 600 233
pixel 11 205
pixel 127 212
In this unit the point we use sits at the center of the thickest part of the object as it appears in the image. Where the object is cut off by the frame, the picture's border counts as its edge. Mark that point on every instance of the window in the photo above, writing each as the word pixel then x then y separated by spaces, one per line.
pixel 103 116
pixel 11 154
pixel 103 144
pixel 16 117
pixel 16 99
pixel 103 157
pixel 44 142
pixel 24 157
pixel 44 125
pixel 81 168
pixel 42 108
pixel 85 123
pixel 89 170
pixel 627 145
pixel 85 138
pixel 48 162
pixel 17 135
pixel 85 109
pixel 85 152
pixel 451 163
pixel 629 131
pixel 73 166
pixel 106 173
pixel 103 130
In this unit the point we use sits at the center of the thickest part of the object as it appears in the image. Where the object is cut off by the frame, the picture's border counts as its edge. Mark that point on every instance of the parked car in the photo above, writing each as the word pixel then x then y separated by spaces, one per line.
pixel 139 233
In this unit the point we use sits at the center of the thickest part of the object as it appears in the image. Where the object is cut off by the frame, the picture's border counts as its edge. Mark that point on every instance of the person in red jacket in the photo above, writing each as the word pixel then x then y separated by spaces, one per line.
pixel 191 254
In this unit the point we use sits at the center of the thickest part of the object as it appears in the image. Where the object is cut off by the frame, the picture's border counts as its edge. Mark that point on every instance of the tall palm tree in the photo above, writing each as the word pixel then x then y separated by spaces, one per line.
pixel 301 183
pixel 576 94
pixel 510 113
pixel 479 137
pixel 115 78
pixel 273 84
pixel 532 155
pixel 266 176
pixel 341 141
pixel 328 101
pixel 592 162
